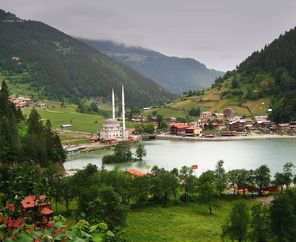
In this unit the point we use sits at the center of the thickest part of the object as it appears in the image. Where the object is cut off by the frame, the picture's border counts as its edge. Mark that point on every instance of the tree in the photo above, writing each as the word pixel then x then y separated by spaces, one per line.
pixel 188 182
pixel 221 177
pixel 233 178
pixel 140 151
pixel 283 216
pixel 161 124
pixel 236 227
pixel 288 173
pixel 122 150
pixel 242 176
pixel 262 177
pixel 163 184
pixel 206 189
pixel 279 180
pixel 260 223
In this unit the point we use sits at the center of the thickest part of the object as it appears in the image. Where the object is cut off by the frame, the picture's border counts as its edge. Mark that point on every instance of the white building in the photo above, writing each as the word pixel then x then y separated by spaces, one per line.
pixel 111 127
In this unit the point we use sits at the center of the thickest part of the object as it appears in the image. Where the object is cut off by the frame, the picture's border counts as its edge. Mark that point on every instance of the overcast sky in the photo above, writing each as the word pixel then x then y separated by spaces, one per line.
pixel 218 33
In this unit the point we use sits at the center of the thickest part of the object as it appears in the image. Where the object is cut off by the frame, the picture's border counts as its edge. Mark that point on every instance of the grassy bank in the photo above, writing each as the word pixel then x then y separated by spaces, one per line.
pixel 186 222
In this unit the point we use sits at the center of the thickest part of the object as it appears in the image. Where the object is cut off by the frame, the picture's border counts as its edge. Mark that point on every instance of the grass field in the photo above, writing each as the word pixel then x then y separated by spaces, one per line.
pixel 67 115
pixel 187 222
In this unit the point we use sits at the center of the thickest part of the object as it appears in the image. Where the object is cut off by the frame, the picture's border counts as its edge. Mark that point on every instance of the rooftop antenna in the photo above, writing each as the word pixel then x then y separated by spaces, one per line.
pixel 113 105
pixel 123 114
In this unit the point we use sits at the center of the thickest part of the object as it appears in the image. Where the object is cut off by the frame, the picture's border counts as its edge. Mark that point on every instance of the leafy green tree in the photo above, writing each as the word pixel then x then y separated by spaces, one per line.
pixel 233 178
pixel 140 151
pixel 161 124
pixel 163 184
pixel 188 182
pixel 141 188
pixel 94 107
pixel 220 177
pixel 283 216
pixel 236 227
pixel 242 177
pixel 279 180
pixel 288 175
pixel 260 223
pixel 111 210
pixel 194 112
pixel 207 190
pixel 262 177
pixel 122 150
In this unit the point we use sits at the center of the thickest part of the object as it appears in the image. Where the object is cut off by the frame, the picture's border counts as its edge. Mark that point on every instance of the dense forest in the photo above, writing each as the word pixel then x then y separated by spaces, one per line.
pixel 270 72
pixel 174 74
pixel 26 140
pixel 43 62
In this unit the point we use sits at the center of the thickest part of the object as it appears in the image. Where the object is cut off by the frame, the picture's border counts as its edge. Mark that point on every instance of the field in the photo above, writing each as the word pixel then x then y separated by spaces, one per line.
pixel 187 222
pixel 67 115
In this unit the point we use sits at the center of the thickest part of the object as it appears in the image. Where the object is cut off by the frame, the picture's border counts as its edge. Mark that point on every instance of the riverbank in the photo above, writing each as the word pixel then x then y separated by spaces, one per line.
pixel 224 138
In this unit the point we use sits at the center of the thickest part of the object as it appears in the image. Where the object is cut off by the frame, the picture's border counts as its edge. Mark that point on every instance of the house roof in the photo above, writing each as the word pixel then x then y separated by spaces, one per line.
pixel 135 172
pixel 284 125
pixel 46 211
pixel 32 201
pixel 206 113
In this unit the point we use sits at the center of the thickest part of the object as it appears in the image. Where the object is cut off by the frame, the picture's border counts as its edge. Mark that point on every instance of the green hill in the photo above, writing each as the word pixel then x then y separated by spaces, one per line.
pixel 266 79
pixel 44 63
pixel 174 74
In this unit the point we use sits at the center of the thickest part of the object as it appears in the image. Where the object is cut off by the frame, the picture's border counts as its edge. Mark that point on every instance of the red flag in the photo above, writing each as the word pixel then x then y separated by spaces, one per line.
pixel 195 167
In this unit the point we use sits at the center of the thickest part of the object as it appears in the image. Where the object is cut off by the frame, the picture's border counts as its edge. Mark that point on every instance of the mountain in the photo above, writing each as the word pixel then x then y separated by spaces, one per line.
pixel 43 62
pixel 265 80
pixel 174 74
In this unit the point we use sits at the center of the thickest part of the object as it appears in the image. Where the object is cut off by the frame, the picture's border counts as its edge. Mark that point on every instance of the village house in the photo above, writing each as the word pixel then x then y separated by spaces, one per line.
pixel 35 207
pixel 147 109
pixel 138 118
pixel 227 112
pixel 219 116
pixel 205 114
pixel 178 129
pixel 193 131
pixel 283 127
pixel 260 118
pixel 220 126
pixel 171 120
pixel 153 119
pixel 237 126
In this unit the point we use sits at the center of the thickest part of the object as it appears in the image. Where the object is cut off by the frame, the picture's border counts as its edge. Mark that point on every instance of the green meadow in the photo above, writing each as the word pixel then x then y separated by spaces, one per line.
pixel 186 222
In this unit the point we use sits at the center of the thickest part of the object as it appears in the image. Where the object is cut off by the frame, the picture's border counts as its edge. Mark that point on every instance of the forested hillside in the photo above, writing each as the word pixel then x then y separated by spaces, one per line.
pixel 269 73
pixel 26 140
pixel 174 74
pixel 42 62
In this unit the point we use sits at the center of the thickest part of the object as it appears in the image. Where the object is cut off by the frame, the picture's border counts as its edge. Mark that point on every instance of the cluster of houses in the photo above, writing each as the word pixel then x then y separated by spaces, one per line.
pixel 225 122
pixel 228 124
pixel 22 102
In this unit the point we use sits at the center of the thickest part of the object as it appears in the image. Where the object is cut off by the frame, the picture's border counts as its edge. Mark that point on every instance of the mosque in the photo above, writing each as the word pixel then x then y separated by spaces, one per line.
pixel 111 127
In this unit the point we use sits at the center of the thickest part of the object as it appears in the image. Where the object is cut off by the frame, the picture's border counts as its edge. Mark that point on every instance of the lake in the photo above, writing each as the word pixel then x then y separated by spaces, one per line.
pixel 248 154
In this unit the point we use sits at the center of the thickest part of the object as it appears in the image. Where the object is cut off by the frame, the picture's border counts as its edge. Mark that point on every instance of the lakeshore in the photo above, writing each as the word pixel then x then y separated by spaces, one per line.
pixel 169 154
pixel 224 138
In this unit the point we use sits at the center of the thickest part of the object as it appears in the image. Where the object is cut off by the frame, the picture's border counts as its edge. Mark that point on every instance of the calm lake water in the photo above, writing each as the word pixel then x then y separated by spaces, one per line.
pixel 248 154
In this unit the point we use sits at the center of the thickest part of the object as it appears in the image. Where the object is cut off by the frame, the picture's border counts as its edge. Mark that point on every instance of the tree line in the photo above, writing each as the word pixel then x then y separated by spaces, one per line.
pixel 106 196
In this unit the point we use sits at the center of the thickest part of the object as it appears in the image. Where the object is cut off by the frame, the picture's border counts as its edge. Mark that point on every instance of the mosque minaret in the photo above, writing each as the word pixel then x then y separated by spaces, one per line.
pixel 111 127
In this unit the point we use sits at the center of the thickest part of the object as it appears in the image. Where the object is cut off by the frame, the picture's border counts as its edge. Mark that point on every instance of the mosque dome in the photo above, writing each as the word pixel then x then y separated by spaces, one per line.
pixel 111 123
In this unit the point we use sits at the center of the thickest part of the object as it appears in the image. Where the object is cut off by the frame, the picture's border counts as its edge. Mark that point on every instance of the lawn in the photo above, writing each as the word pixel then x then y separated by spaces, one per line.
pixel 187 222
